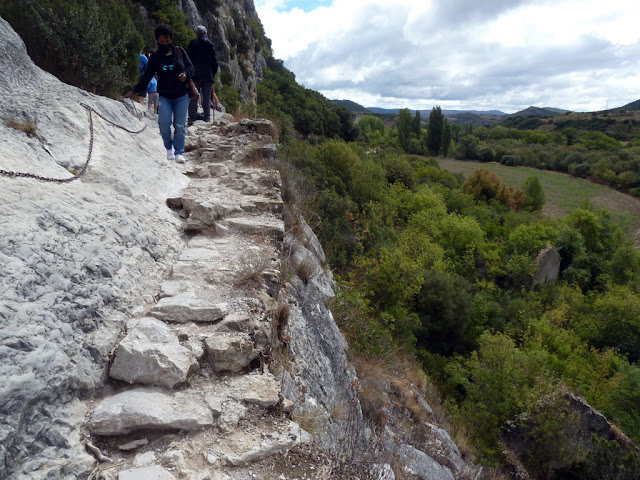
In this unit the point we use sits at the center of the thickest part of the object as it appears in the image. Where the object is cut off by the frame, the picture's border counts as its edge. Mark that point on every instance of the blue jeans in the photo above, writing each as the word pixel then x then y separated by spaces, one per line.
pixel 173 110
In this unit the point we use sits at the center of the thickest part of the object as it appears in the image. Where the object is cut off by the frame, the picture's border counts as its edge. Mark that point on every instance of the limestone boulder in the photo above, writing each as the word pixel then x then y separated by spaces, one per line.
pixel 418 465
pixel 240 448
pixel 148 408
pixel 229 353
pixel 262 390
pixel 151 354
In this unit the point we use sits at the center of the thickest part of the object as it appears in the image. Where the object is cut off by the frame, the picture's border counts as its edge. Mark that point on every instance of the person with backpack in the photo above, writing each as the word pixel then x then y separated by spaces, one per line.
pixel 173 68
pixel 203 54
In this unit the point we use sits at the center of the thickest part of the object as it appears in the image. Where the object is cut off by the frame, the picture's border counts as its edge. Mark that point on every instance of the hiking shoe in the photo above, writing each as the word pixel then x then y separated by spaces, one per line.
pixel 179 158
pixel 170 155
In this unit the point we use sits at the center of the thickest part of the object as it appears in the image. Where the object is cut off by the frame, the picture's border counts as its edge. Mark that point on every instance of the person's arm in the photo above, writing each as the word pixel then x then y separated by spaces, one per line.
pixel 189 69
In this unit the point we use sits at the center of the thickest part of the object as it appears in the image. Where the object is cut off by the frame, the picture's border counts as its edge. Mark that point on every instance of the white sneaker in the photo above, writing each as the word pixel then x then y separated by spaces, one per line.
pixel 170 155
pixel 179 158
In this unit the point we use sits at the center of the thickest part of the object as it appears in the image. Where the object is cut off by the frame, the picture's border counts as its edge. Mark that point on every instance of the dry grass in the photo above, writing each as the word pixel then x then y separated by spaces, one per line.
pixel 26 126
pixel 279 322
pixel 311 419
pixel 374 390
pixel 250 270
pixel 305 270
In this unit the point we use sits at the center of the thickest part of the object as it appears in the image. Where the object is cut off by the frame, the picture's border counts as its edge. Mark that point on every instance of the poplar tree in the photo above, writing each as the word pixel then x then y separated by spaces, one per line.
pixel 446 138
pixel 417 124
pixel 436 127
pixel 404 124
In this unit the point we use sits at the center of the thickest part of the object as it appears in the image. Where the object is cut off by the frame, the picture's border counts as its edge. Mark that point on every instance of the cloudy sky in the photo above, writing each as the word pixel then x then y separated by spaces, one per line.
pixel 581 55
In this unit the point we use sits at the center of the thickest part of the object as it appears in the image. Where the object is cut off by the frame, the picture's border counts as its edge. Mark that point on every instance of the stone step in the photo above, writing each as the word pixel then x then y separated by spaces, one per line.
pixel 185 308
pixel 151 354
pixel 253 389
pixel 242 448
pixel 149 408
pixel 258 225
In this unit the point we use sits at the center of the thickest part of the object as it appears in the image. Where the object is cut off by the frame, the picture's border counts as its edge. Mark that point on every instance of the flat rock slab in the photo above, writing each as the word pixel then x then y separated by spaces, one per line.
pixel 199 255
pixel 259 390
pixel 149 408
pixel 261 225
pixel 153 472
pixel 151 354
pixel 241 448
pixel 184 308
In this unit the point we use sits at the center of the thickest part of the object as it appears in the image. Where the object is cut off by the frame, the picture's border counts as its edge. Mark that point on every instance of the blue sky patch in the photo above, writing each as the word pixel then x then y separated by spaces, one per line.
pixel 304 5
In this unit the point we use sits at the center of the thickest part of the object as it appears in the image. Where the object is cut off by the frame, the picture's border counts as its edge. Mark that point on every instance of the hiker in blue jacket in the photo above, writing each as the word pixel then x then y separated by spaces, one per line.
pixel 203 55
pixel 173 68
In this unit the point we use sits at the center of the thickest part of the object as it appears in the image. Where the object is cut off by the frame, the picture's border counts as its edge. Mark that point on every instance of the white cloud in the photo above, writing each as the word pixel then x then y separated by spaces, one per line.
pixel 504 54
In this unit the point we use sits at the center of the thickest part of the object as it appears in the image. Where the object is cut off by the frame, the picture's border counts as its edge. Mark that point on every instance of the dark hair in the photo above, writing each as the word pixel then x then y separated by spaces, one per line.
pixel 163 29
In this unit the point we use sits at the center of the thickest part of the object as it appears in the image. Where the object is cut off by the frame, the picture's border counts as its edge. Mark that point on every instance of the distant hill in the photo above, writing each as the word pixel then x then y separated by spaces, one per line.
pixel 462 117
pixel 633 106
pixel 539 112
pixel 477 119
pixel 352 106
pixel 427 112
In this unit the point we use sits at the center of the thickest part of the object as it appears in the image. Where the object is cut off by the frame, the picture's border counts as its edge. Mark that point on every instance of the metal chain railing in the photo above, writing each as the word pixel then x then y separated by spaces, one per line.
pixel 8 173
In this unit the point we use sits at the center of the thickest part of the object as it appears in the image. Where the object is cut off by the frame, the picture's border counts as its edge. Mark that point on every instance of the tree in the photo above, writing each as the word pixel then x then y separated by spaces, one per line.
pixel 534 194
pixel 404 126
pixel 467 147
pixel 417 124
pixel 367 124
pixel 446 138
pixel 435 129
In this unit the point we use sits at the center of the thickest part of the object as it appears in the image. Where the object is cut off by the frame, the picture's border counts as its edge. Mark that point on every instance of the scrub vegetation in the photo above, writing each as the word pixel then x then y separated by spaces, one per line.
pixel 437 266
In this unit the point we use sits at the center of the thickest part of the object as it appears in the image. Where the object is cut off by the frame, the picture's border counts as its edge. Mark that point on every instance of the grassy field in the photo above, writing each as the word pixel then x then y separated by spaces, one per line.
pixel 564 192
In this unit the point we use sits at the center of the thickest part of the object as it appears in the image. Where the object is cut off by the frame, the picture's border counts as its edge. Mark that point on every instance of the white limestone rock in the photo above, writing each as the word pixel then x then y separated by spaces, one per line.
pixel 229 353
pixel 240 448
pixel 258 225
pixel 149 408
pixel 153 472
pixel 151 354
pixel 185 308
pixel 75 257
pixel 418 463
pixel 228 411
pixel 262 390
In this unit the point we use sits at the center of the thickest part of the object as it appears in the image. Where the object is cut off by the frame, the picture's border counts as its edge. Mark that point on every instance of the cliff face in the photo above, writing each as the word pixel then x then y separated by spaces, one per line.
pixel 236 32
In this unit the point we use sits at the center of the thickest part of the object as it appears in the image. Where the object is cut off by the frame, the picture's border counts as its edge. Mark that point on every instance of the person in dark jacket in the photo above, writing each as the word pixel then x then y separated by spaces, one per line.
pixel 173 68
pixel 203 55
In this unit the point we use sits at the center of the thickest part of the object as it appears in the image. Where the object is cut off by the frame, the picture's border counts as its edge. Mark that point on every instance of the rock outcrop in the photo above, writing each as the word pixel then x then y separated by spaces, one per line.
pixel 77 259
pixel 237 34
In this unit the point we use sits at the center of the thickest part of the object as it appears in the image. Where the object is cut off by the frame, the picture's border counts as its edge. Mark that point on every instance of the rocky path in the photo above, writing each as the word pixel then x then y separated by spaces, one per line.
pixel 189 395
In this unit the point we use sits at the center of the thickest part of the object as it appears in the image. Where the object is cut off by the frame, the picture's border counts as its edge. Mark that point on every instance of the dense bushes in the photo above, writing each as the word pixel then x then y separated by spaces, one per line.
pixel 429 269
pixel 90 44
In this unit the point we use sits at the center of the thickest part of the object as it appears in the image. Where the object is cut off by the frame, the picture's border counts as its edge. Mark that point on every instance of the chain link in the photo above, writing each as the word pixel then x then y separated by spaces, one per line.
pixel 8 173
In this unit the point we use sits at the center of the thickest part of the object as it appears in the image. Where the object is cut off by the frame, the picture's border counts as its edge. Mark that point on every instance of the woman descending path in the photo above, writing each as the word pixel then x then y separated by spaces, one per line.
pixel 173 68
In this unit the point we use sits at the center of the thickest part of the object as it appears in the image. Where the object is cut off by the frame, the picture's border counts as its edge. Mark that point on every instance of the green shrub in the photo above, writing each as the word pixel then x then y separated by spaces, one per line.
pixel 90 44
